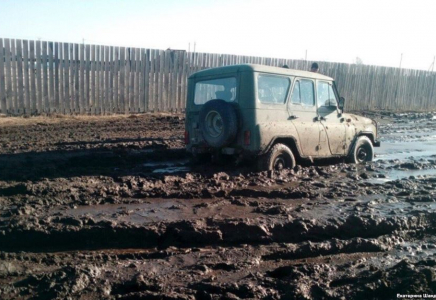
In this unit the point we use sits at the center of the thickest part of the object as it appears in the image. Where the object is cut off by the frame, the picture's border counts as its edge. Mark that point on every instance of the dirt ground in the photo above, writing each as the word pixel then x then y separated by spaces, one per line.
pixel 111 208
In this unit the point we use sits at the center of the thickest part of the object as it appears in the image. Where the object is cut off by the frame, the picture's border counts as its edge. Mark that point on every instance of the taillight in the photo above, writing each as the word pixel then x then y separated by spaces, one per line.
pixel 186 137
pixel 247 136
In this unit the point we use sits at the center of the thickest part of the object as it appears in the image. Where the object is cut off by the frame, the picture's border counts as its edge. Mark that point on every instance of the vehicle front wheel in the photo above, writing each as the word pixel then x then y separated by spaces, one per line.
pixel 362 152
pixel 279 157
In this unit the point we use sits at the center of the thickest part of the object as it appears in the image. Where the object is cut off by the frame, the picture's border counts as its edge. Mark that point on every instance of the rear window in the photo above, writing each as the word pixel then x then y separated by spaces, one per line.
pixel 272 89
pixel 221 88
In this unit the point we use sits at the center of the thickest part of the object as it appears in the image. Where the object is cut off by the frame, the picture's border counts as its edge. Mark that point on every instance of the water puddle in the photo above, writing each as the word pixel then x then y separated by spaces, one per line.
pixel 168 166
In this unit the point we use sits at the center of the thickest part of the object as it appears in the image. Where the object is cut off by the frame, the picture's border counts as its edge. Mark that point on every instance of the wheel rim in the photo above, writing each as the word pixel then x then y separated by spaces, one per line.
pixel 279 163
pixel 362 154
pixel 214 124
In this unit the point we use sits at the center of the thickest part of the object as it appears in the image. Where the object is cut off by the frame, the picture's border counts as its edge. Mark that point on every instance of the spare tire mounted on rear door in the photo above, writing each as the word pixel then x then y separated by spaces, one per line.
pixel 218 123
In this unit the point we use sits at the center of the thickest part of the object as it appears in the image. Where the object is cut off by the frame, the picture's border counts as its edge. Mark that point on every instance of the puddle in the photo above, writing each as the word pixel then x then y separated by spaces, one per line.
pixel 417 147
pixel 392 175
pixel 172 170
pixel 168 166
pixel 158 210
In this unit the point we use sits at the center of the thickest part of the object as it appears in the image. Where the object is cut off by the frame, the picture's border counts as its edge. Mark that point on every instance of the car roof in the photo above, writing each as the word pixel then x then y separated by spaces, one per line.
pixel 258 68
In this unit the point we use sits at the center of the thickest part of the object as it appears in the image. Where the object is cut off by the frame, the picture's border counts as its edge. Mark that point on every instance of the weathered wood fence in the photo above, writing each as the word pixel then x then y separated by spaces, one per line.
pixel 51 77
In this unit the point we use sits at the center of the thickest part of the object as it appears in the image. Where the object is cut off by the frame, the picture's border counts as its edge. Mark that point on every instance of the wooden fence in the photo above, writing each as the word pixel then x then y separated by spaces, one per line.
pixel 50 77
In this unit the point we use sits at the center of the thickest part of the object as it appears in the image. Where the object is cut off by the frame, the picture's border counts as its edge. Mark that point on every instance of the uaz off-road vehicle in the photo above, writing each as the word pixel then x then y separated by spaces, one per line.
pixel 274 115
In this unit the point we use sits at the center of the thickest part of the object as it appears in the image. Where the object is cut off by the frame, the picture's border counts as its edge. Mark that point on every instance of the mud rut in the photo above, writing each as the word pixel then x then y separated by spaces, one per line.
pixel 111 209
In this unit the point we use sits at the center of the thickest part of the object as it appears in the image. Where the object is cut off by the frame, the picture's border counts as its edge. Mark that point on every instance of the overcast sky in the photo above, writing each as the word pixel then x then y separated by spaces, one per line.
pixel 378 32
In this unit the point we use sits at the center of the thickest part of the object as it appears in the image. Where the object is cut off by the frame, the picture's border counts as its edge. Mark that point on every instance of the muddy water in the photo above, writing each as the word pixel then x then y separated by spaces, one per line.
pixel 111 209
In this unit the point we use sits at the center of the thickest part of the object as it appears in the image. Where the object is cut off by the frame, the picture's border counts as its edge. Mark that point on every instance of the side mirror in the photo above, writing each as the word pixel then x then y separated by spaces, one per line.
pixel 341 103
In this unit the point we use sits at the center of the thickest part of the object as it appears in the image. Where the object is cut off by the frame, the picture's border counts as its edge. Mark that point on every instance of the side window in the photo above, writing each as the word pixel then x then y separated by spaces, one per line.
pixel 296 93
pixel 307 93
pixel 326 95
pixel 272 89
pixel 303 93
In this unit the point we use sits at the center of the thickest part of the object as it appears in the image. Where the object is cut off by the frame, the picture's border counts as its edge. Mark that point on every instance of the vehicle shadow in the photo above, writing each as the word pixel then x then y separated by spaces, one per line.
pixel 99 161
pixel 156 160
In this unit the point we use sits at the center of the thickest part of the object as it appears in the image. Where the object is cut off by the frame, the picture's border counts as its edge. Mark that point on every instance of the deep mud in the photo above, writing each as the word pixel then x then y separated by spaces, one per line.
pixel 111 208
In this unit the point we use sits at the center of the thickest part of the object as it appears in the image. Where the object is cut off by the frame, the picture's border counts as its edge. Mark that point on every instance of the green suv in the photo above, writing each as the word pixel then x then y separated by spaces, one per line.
pixel 276 116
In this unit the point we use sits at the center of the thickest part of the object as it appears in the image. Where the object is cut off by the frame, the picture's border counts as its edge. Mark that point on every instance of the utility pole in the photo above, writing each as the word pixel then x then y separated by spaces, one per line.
pixel 305 59
pixel 432 65
pixel 401 59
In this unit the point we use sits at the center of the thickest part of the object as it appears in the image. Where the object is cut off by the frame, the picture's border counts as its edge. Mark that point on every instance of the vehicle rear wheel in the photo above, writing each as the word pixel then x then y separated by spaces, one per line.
pixel 279 157
pixel 362 151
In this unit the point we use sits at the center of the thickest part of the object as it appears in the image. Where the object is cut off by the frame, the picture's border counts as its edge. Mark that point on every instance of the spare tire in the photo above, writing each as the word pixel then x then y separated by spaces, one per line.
pixel 218 123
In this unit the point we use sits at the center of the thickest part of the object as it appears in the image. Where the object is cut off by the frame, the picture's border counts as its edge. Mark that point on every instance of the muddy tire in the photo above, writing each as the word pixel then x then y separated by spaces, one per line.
pixel 278 157
pixel 218 123
pixel 362 151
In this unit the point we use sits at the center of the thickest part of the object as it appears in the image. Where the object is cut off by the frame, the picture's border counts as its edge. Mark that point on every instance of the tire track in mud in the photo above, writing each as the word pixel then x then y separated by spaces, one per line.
pixel 124 232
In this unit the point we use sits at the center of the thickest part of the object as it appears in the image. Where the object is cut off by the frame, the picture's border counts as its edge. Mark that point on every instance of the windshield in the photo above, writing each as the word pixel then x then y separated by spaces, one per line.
pixel 221 88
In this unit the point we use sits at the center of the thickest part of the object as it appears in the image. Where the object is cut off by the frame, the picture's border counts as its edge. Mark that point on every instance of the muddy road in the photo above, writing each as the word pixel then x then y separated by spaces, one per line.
pixel 111 208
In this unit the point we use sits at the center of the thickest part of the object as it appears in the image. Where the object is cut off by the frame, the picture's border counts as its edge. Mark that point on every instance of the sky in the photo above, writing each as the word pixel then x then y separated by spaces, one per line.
pixel 381 32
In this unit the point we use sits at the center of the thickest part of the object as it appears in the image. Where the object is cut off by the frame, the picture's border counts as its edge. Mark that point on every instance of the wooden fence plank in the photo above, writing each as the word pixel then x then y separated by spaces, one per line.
pixel 61 77
pixel 156 63
pixel 8 76
pixel 146 80
pixel 19 57
pixel 111 80
pixel 141 80
pixel 39 88
pixel 136 79
pixel 56 77
pixel 106 105
pixel 97 79
pixel 87 78
pixel 14 78
pixel 51 77
pixel 26 79
pixel 115 95
pixel 122 95
pixel 152 75
pixel 173 85
pixel 76 62
pixel 101 83
pixel 66 106
pixel 3 107
pixel 44 56
pixel 161 79
pixel 32 64
pixel 165 86
pixel 92 81
pixel 131 86
pixel 81 78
